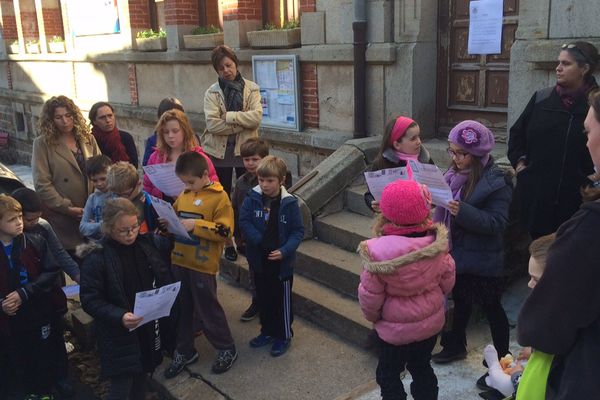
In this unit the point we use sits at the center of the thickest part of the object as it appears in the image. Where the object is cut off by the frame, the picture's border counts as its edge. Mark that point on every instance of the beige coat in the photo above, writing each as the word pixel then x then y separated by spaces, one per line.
pixel 221 123
pixel 61 184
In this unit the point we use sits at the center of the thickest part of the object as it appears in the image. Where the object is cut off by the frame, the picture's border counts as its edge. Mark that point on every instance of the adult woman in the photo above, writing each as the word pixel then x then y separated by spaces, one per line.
pixel 113 271
pixel 58 163
pixel 166 104
pixel 547 147
pixel 562 314
pixel 233 113
pixel 115 143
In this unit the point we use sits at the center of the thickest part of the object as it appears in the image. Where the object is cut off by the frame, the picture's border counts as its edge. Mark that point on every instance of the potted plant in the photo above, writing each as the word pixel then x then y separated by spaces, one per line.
pixel 203 38
pixel 150 40
pixel 13 47
pixel 273 37
pixel 33 47
pixel 56 44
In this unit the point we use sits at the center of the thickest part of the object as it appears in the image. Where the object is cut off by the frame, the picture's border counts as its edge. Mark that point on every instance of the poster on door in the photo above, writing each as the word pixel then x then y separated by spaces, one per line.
pixel 93 17
pixel 485 27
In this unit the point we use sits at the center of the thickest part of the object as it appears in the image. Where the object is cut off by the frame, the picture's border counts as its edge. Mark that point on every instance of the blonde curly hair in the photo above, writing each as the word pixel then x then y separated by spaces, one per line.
pixel 48 129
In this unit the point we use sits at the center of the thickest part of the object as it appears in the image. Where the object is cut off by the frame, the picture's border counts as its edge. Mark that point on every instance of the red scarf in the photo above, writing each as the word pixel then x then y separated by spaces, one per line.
pixel 110 144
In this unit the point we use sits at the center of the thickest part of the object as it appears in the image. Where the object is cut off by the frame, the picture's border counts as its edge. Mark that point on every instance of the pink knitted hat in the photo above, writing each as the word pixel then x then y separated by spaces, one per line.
pixel 407 204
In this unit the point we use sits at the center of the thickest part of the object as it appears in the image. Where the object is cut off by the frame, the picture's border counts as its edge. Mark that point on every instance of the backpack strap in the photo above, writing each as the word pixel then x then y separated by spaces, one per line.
pixel 543 94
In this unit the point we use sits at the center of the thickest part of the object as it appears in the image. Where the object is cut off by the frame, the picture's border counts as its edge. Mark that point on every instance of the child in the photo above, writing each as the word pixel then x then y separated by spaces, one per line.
pixel 271 223
pixel 401 142
pixel 407 273
pixel 175 136
pixel 530 381
pixel 33 223
pixel 166 104
pixel 205 212
pixel 476 219
pixel 31 342
pixel 96 168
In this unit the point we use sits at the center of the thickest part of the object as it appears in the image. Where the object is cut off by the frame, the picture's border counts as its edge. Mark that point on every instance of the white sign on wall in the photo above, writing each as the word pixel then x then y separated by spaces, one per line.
pixel 485 27
pixel 93 17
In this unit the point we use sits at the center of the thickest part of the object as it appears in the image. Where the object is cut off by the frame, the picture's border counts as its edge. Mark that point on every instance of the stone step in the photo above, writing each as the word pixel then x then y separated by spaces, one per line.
pixel 344 229
pixel 323 306
pixel 355 200
pixel 333 267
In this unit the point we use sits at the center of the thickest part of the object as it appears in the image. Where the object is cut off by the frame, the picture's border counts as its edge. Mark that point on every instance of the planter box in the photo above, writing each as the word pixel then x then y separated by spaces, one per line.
pixel 282 38
pixel 56 47
pixel 33 48
pixel 13 48
pixel 151 44
pixel 203 42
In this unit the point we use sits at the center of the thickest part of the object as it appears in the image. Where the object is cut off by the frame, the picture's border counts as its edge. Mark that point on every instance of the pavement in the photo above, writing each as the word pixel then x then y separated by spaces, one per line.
pixel 319 365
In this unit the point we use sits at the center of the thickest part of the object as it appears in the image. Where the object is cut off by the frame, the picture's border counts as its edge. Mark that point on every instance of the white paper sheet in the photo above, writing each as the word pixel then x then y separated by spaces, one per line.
pixel 266 74
pixel 166 211
pixel 156 303
pixel 430 175
pixel 164 178
pixel 485 27
pixel 378 180
pixel 71 290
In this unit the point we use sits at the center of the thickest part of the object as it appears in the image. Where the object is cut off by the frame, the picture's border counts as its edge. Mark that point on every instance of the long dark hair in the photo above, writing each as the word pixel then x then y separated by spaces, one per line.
pixel 94 110
pixel 475 173
pixel 583 53
pixel 592 193
pixel 379 162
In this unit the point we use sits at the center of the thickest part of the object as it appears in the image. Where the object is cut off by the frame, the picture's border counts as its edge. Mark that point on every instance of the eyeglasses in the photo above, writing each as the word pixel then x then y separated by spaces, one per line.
pixel 573 46
pixel 131 230
pixel 459 155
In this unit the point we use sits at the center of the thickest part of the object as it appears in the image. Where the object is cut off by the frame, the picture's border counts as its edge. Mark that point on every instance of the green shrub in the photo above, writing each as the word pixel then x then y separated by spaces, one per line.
pixel 205 30
pixel 291 24
pixel 56 39
pixel 149 33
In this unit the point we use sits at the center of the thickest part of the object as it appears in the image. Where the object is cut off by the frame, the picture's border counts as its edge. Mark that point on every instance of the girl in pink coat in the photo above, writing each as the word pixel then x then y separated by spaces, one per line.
pixel 407 274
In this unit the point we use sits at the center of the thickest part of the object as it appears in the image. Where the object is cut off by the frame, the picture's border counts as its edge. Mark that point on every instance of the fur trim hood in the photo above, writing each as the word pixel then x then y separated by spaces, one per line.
pixel 85 249
pixel 409 256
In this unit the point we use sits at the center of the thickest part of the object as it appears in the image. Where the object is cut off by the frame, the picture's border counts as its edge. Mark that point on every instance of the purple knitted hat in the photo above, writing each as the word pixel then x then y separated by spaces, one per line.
pixel 473 137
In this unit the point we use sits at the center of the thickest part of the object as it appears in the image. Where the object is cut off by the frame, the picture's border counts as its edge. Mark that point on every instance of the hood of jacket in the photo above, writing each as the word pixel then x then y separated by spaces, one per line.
pixel 386 254
pixel 492 179
pixel 285 195
pixel 87 248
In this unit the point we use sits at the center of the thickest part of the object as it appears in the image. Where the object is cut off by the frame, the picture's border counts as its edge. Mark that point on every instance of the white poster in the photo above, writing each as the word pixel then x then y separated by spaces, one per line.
pixel 93 17
pixel 485 27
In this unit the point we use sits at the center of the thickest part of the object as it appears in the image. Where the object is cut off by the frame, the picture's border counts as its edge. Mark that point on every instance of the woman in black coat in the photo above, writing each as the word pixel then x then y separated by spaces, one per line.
pixel 547 145
pixel 113 271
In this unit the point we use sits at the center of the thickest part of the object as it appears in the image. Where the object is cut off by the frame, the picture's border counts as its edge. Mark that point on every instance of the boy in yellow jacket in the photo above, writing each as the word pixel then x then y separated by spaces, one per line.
pixel 206 213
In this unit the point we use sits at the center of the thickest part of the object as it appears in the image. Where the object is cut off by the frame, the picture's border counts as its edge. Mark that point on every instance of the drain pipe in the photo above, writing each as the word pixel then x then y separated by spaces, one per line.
pixel 359 31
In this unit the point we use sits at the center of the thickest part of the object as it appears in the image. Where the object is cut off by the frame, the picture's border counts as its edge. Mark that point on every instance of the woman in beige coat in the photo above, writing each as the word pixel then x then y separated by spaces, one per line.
pixel 233 114
pixel 63 145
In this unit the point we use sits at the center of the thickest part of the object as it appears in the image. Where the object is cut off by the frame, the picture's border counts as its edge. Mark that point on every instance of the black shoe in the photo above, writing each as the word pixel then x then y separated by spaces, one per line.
pixel 250 313
pixel 178 364
pixel 481 385
pixel 279 347
pixel 224 361
pixel 230 253
pixel 448 355
pixel 64 388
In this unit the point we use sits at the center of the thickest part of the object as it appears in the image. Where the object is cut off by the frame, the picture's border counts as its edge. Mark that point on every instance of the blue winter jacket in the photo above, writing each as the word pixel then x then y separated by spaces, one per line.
pixel 477 230
pixel 253 226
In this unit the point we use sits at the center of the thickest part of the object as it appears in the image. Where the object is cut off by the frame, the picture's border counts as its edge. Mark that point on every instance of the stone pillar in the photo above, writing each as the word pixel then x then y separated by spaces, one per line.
pixel 239 17
pixel 310 95
pixel 181 16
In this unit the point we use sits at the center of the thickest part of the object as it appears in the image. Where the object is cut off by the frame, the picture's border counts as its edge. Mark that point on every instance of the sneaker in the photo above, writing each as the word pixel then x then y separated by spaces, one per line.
pixel 64 388
pixel 261 340
pixel 279 347
pixel 250 313
pixel 224 361
pixel 230 253
pixel 178 364
pixel 447 355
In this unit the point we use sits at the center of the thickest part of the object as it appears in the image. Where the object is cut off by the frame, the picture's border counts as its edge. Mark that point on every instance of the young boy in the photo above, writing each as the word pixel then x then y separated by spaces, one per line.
pixel 31 341
pixel 96 168
pixel 270 221
pixel 205 212
pixel 252 151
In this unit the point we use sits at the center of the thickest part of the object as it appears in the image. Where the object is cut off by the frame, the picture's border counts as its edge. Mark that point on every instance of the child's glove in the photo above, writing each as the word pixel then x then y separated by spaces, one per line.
pixel 496 378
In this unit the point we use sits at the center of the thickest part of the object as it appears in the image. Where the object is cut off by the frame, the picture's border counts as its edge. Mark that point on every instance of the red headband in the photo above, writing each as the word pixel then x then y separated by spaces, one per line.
pixel 399 129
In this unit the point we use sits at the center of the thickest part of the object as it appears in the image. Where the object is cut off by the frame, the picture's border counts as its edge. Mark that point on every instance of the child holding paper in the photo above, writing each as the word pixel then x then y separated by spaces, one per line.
pixel 174 137
pixel 401 142
pixel 114 270
pixel 476 219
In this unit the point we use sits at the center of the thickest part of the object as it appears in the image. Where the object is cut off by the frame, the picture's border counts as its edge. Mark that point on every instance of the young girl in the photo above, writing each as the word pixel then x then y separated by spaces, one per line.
pixel 407 274
pixel 175 136
pixel 401 142
pixel 476 219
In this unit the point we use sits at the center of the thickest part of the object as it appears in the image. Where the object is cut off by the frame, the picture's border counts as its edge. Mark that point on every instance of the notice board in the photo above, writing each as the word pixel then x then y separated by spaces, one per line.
pixel 93 17
pixel 278 78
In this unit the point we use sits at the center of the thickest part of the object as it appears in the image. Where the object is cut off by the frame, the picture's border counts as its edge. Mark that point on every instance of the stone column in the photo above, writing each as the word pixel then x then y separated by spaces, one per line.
pixel 239 17
pixel 181 16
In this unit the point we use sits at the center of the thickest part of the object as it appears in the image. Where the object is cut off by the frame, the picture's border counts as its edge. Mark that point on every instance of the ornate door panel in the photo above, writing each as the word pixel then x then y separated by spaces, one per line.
pixel 472 86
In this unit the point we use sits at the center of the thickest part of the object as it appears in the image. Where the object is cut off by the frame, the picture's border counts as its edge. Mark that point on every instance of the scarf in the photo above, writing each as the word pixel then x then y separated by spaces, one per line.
pixel 233 91
pixel 456 180
pixel 568 97
pixel 407 157
pixel 110 144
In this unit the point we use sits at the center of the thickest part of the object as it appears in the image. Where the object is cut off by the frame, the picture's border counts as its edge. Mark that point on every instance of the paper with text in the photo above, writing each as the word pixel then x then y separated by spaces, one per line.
pixel 431 176
pixel 166 211
pixel 378 180
pixel 156 303
pixel 164 178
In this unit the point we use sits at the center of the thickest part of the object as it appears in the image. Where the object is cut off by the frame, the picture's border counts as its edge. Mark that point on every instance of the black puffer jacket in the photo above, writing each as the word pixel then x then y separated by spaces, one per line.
pixel 103 297
pixel 550 139
pixel 562 314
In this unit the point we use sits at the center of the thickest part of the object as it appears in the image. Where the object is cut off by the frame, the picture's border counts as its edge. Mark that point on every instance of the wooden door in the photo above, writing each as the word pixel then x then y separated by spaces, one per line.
pixel 472 86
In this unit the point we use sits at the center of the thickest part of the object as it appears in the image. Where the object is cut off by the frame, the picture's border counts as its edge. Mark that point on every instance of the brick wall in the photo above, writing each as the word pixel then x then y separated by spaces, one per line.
pixel 53 22
pixel 308 6
pixel 133 85
pixel 30 27
pixel 242 10
pixel 310 95
pixel 139 14
pixel 9 27
pixel 181 12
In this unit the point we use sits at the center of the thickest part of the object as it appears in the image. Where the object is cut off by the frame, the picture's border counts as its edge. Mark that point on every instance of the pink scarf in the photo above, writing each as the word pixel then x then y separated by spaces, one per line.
pixel 407 157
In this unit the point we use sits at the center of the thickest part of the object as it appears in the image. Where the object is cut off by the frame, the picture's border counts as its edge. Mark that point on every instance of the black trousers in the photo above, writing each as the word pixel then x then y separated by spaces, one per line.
pixel 416 357
pixel 225 175
pixel 274 298
pixel 126 387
